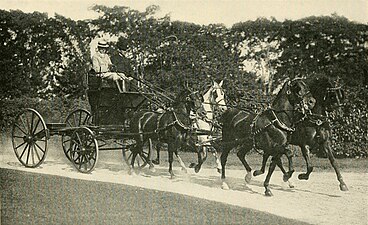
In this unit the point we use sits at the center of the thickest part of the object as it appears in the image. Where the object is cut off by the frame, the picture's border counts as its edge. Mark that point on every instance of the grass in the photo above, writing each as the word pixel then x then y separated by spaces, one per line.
pixel 29 198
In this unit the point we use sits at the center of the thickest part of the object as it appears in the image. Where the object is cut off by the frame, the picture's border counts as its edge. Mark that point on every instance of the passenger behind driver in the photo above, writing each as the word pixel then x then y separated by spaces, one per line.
pixel 102 65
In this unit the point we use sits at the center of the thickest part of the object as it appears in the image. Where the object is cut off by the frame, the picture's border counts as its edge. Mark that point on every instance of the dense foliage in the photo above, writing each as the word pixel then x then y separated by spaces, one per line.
pixel 46 58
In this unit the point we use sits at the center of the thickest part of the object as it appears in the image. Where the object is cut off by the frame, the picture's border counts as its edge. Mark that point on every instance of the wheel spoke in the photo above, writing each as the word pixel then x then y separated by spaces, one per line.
pixel 24 150
pixel 70 124
pixel 20 145
pixel 32 118
pixel 80 118
pixel 138 161
pixel 38 133
pixel 67 140
pixel 31 148
pixel 28 125
pixel 74 120
pixel 28 154
pixel 85 120
pixel 20 129
pixel 39 148
pixel 16 136
pixel 24 123
pixel 38 156
pixel 35 128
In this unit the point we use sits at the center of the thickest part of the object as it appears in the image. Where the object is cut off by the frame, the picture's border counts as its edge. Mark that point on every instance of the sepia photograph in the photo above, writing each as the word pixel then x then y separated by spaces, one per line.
pixel 183 112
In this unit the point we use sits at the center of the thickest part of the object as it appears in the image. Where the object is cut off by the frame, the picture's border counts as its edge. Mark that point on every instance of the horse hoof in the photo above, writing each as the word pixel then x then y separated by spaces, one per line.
pixel 257 173
pixel 303 176
pixel 268 193
pixel 184 170
pixel 224 186
pixel 343 187
pixel 219 170
pixel 172 177
pixel 291 185
pixel 152 169
pixel 192 165
pixel 156 162
pixel 197 169
pixel 285 178
pixel 248 177
pixel 132 173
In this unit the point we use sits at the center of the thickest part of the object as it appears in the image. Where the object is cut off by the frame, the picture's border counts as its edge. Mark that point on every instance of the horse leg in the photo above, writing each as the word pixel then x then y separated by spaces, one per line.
pixel 328 150
pixel 157 160
pixel 171 159
pixel 148 159
pixel 241 155
pixel 223 163
pixel 183 167
pixel 202 156
pixel 131 169
pixel 218 161
pixel 289 153
pixel 287 175
pixel 266 183
pixel 305 152
pixel 264 161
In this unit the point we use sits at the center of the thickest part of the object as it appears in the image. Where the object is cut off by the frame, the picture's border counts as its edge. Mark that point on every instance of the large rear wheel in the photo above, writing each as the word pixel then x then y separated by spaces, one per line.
pixel 29 138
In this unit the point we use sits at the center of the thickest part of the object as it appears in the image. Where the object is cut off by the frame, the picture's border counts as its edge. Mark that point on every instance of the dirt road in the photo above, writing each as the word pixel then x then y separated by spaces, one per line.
pixel 317 201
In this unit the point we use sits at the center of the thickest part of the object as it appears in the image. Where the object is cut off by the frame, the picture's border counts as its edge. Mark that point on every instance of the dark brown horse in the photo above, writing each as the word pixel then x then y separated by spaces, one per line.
pixel 314 131
pixel 172 126
pixel 267 131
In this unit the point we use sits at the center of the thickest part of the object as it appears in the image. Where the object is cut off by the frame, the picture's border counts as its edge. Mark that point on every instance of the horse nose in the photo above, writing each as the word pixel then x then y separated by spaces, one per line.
pixel 201 112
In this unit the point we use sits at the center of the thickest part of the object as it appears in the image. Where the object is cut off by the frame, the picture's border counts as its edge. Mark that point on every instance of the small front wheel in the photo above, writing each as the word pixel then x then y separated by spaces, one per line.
pixel 141 158
pixel 77 118
pixel 83 151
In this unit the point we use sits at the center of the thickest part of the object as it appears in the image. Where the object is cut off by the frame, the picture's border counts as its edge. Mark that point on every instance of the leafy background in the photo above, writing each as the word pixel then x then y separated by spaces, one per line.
pixel 43 60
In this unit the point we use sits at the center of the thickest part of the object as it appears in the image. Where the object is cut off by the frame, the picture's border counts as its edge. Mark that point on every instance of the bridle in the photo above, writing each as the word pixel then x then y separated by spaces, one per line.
pixel 338 93
pixel 299 105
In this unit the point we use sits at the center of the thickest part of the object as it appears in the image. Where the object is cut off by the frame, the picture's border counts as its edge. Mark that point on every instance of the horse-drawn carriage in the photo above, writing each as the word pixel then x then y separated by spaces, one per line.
pixel 127 121
pixel 84 134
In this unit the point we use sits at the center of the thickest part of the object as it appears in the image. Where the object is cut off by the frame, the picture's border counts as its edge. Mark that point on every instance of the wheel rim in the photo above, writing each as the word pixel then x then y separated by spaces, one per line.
pixel 83 150
pixel 29 138
pixel 77 118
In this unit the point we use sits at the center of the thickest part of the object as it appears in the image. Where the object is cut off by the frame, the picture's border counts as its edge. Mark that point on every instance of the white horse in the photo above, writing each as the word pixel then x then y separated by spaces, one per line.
pixel 213 102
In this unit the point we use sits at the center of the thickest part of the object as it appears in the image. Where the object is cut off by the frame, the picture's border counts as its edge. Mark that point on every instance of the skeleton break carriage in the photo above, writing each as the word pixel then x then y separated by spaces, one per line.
pixel 84 134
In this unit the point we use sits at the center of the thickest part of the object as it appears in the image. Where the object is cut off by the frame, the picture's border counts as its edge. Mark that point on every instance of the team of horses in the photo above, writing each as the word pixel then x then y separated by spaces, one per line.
pixel 298 116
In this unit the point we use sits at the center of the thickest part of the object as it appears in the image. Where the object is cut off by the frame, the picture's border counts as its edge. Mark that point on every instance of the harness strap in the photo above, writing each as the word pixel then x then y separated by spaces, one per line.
pixel 280 124
pixel 275 121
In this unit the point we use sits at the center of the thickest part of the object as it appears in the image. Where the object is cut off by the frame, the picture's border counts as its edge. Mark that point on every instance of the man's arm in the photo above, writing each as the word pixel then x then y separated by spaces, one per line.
pixel 96 64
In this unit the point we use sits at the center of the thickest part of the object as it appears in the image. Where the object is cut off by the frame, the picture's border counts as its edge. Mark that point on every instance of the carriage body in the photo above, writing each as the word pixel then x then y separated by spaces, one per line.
pixel 83 133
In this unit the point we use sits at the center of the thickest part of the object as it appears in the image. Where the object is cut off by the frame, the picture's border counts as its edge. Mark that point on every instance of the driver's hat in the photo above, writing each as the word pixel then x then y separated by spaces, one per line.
pixel 102 44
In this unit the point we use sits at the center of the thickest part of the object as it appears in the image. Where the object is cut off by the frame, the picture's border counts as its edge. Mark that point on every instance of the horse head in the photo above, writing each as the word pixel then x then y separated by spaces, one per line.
pixel 329 96
pixel 214 100
pixel 297 93
pixel 189 99
pixel 219 96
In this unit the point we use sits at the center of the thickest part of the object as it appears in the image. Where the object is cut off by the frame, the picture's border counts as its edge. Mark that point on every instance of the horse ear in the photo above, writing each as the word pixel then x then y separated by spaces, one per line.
pixel 221 83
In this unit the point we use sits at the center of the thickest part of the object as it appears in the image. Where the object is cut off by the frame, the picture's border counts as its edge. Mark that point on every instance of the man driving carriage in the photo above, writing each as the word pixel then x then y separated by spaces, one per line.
pixel 102 65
